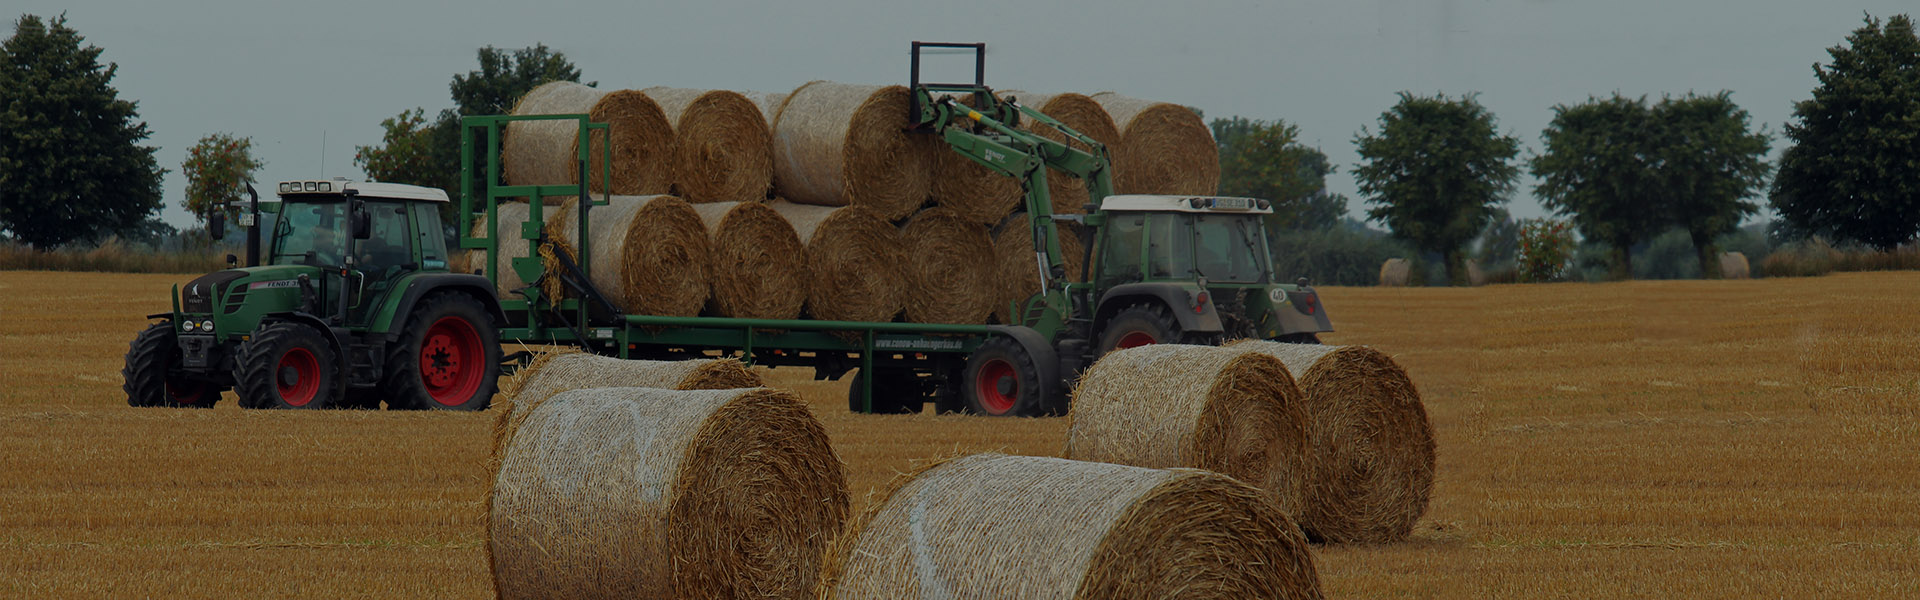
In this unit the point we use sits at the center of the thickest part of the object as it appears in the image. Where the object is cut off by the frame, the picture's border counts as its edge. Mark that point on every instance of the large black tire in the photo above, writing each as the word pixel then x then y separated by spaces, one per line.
pixel 148 377
pixel 895 392
pixel 287 366
pixel 1143 324
pixel 1002 380
pixel 447 359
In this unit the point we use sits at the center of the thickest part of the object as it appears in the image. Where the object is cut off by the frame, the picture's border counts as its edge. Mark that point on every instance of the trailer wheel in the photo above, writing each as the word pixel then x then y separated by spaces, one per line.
pixel 147 380
pixel 1139 325
pixel 1001 380
pixel 895 391
pixel 448 359
pixel 286 365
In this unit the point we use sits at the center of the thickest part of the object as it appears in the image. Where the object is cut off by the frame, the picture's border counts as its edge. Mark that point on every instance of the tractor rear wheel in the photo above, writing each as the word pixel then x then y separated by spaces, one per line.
pixel 447 359
pixel 147 377
pixel 286 365
pixel 1002 380
pixel 1139 325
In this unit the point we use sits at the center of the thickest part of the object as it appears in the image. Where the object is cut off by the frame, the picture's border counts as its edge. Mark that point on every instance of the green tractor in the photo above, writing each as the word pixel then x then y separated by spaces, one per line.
pixel 352 305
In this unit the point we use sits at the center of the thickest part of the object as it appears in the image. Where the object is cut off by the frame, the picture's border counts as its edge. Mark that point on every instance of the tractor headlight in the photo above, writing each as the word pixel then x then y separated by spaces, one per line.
pixel 206 326
pixel 187 326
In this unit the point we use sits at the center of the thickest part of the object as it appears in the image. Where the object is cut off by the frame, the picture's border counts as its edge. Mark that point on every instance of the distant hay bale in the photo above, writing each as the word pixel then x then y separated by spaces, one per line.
pixel 972 191
pixel 1733 265
pixel 1080 113
pixel 1475 275
pixel 1164 148
pixel 544 152
pixel 1233 412
pixel 1396 272
pixel 723 150
pixel 950 269
pixel 570 369
pixel 1370 447
pixel 836 144
pixel 757 266
pixel 1019 269
pixel 650 493
pixel 990 526
pixel 855 262
pixel 649 254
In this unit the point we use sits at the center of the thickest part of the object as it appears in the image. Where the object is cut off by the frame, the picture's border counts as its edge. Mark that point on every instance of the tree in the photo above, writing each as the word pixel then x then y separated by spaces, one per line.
pixel 71 167
pixel 216 167
pixel 503 78
pixel 1853 171
pixel 1598 168
pixel 1262 159
pixel 406 154
pixel 1436 172
pixel 1708 163
pixel 1546 250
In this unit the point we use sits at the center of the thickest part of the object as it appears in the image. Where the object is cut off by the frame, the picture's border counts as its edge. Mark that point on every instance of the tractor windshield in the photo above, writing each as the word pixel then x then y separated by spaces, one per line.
pixel 1227 248
pixel 310 233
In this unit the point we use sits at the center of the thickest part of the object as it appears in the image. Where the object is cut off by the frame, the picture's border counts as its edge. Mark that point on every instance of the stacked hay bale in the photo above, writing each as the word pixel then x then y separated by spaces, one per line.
pixel 855 260
pixel 1018 270
pixel 836 144
pixel 990 526
pixel 723 150
pixel 1164 148
pixel 951 276
pixel 1370 450
pixel 506 236
pixel 650 493
pixel 649 254
pixel 757 266
pixel 1079 113
pixel 971 191
pixel 544 152
pixel 769 104
pixel 1233 412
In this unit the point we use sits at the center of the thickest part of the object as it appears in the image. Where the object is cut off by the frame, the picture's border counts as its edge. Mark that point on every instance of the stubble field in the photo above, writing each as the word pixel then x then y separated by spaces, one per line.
pixel 1652 439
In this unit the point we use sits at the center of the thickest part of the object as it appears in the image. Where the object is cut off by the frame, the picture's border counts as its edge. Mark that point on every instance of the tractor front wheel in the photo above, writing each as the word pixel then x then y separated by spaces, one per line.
pixel 147 377
pixel 288 366
pixel 447 359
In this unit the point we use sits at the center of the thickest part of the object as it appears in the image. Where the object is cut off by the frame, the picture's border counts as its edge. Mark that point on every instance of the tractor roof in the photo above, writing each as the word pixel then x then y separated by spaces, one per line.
pixel 364 189
pixel 1192 204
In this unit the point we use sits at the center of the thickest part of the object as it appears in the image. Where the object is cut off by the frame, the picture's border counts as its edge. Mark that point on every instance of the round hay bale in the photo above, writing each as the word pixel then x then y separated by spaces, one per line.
pixel 1018 268
pixel 1396 272
pixel 568 369
pixel 506 235
pixel 970 190
pixel 855 261
pixel 650 254
pixel 543 152
pixel 1080 113
pixel 1232 412
pixel 650 493
pixel 723 150
pixel 836 144
pixel 756 267
pixel 1733 265
pixel 769 104
pixel 950 273
pixel 1164 148
pixel 990 526
pixel 1370 449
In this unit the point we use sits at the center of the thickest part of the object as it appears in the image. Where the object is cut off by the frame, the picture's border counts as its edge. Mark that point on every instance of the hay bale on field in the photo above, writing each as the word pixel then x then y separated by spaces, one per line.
pixel 544 152
pixel 723 150
pixel 949 267
pixel 990 526
pixel 1370 450
pixel 650 493
pixel 1080 113
pixel 1396 272
pixel 649 254
pixel 1017 267
pixel 757 266
pixel 855 260
pixel 1233 412
pixel 972 191
pixel 1164 148
pixel 836 144
pixel 1733 265
pixel 569 369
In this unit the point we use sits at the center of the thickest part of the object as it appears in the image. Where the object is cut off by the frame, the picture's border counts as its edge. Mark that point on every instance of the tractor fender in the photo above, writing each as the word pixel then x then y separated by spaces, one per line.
pixel 1178 299
pixel 421 285
pixel 331 334
pixel 1045 359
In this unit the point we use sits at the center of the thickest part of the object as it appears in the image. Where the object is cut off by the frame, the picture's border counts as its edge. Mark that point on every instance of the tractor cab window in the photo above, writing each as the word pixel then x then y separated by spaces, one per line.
pixel 1170 246
pixel 389 246
pixel 433 245
pixel 1227 248
pixel 1120 248
pixel 310 233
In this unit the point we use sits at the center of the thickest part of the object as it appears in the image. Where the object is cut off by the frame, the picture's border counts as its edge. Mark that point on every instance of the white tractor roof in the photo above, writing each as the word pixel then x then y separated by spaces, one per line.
pixel 1192 204
pixel 365 189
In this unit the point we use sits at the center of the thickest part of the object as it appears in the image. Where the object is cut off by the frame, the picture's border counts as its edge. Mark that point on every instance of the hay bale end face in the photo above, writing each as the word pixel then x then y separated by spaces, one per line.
pixel 757 265
pixel 649 254
pixel 544 152
pixel 972 191
pixel 951 274
pixel 1164 148
pixel 723 151
pixel 649 493
pixel 990 526
pixel 1370 452
pixel 855 261
pixel 836 144
pixel 1080 113
pixel 1170 405
pixel 1019 269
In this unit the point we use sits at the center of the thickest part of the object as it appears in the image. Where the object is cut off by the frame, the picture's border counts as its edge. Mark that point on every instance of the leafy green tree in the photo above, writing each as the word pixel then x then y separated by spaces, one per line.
pixel 71 163
pixel 406 154
pixel 504 77
pixel 1436 172
pixel 216 167
pixel 1598 169
pixel 1709 162
pixel 1262 159
pixel 1853 171
pixel 1546 250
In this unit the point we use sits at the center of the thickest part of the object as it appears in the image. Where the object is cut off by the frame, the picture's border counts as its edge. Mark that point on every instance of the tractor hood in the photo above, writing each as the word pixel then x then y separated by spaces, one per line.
pixel 198 295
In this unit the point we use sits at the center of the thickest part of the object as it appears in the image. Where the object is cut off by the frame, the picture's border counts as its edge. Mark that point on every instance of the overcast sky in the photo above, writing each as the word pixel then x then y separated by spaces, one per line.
pixel 308 80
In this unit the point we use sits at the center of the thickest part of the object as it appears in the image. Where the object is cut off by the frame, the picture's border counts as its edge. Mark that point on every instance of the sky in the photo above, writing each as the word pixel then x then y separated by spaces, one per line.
pixel 309 81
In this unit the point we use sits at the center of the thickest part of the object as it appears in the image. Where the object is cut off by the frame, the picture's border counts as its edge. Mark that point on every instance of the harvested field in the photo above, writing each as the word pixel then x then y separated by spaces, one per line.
pixel 1699 439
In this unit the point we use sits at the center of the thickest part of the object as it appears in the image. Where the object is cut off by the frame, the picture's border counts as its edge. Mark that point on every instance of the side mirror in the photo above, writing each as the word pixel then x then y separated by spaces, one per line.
pixel 217 223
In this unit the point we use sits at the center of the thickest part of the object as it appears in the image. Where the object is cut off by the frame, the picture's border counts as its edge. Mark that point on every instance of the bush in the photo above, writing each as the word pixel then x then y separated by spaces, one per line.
pixel 1341 255
pixel 113 255
pixel 1546 250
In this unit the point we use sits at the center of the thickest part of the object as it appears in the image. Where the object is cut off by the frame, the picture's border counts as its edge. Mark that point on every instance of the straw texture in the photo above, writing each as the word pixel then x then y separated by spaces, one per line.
pixel 544 152
pixel 836 144
pixel 1080 113
pixel 506 235
pixel 1018 267
pixel 1370 453
pixel 757 266
pixel 1233 412
pixel 855 262
pixel 649 254
pixel 650 493
pixel 972 191
pixel 723 150
pixel 1164 148
pixel 950 269
pixel 769 104
pixel 990 526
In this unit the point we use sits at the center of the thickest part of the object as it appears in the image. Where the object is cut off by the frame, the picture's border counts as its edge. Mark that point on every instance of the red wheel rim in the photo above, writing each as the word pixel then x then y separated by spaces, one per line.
pixel 305 371
pixel 1134 339
pixel 451 360
pixel 986 383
